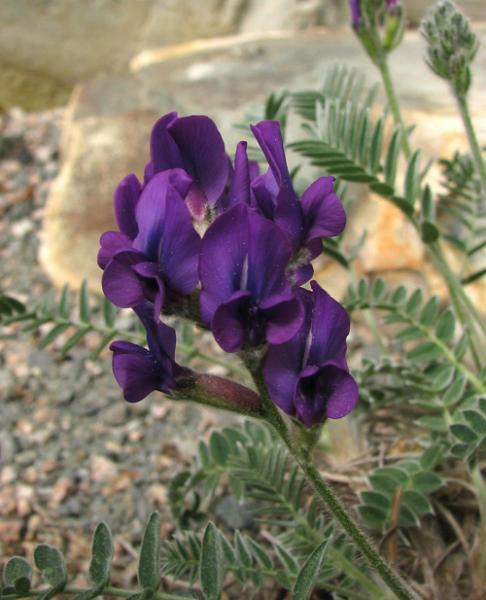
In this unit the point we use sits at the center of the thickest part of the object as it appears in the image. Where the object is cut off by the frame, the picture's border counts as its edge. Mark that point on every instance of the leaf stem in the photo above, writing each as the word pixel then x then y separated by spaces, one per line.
pixel 465 309
pixel 382 65
pixel 472 139
pixel 388 575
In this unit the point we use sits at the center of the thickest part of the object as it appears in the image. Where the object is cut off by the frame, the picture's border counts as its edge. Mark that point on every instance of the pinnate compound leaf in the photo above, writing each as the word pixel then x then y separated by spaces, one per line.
pixel 212 568
pixel 308 575
pixel 149 562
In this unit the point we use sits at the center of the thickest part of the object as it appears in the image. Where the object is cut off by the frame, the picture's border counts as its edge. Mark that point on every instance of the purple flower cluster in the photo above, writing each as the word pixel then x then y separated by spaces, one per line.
pixel 245 272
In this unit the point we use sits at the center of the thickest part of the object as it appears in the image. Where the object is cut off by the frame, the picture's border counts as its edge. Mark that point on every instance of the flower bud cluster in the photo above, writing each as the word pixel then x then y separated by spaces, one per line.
pixel 451 45
pixel 215 239
pixel 379 25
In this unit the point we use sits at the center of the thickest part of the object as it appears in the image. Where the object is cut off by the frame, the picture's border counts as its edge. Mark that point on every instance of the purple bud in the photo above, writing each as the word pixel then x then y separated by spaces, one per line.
pixel 356 17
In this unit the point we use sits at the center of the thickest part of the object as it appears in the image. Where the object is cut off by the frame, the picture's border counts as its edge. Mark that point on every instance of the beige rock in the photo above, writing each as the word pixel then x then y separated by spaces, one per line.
pixel 475 9
pixel 99 151
pixel 103 469
pixel 65 41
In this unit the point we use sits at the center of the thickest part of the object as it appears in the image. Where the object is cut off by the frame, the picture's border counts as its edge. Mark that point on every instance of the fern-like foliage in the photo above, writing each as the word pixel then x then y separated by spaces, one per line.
pixel 249 561
pixel 256 466
pixel 398 495
pixel 64 318
pixel 343 138
pixel 469 431
pixel 75 316
pixel 464 207
pixel 10 307
pixel 427 331
pixel 340 82
pixel 428 384
pixel 275 108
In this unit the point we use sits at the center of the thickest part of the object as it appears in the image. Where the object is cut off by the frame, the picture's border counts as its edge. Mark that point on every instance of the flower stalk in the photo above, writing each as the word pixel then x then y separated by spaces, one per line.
pixel 477 155
pixel 302 455
pixel 466 311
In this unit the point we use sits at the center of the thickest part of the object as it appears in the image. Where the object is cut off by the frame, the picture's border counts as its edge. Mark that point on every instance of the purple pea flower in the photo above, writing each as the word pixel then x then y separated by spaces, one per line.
pixel 156 252
pixel 195 145
pixel 245 295
pixel 319 213
pixel 140 371
pixel 356 16
pixel 308 377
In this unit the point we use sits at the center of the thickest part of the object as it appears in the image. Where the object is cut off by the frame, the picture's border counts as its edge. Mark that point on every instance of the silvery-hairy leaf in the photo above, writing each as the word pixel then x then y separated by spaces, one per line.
pixel 17 574
pixel 212 569
pixel 101 555
pixel 308 575
pixel 149 562
pixel 50 563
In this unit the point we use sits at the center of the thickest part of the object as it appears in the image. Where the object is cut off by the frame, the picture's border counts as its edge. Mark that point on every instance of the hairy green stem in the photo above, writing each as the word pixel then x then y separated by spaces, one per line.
pixel 388 575
pixel 382 65
pixel 465 309
pixel 472 139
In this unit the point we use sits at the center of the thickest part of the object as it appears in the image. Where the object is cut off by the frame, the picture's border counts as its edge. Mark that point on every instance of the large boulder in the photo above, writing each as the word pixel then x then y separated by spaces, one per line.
pixel 62 42
pixel 105 137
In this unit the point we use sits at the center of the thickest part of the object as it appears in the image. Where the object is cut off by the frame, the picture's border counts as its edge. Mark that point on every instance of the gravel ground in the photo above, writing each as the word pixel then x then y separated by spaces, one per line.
pixel 71 451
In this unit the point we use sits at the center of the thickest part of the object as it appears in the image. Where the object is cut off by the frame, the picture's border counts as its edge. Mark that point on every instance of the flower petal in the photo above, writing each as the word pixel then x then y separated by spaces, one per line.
pixel 330 327
pixel 112 242
pixel 203 155
pixel 345 394
pixel 287 212
pixel 121 285
pixel 283 362
pixel 179 248
pixel 240 184
pixel 161 338
pixel 324 214
pixel 269 138
pixel 152 206
pixel 126 197
pixel 268 256
pixel 223 251
pixel 325 391
pixel 284 317
pixel 229 325
pixel 164 151
pixel 136 373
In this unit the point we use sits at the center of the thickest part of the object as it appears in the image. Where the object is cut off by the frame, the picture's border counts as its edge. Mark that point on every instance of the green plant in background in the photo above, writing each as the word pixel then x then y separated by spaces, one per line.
pixel 429 378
